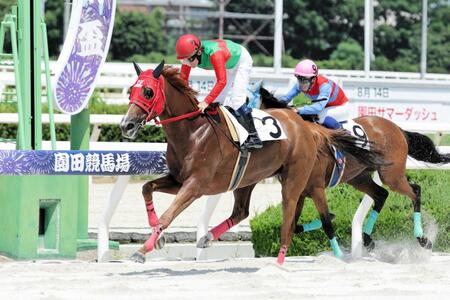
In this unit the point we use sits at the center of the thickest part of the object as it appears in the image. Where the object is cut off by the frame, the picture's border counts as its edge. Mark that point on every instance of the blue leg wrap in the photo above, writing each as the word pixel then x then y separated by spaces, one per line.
pixel 331 123
pixel 418 231
pixel 316 224
pixel 370 222
pixel 335 247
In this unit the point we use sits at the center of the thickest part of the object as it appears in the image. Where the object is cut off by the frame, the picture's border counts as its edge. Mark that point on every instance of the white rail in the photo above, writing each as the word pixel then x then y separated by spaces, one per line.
pixel 116 78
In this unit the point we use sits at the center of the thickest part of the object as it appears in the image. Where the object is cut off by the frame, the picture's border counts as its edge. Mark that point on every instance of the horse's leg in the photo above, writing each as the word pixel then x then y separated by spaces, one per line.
pixel 240 212
pixel 292 187
pixel 166 184
pixel 187 193
pixel 320 201
pixel 365 184
pixel 399 183
pixel 298 211
pixel 313 225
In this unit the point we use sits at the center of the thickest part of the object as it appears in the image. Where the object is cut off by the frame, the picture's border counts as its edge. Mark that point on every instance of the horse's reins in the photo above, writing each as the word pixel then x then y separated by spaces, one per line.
pixel 214 122
pixel 195 114
pixel 177 118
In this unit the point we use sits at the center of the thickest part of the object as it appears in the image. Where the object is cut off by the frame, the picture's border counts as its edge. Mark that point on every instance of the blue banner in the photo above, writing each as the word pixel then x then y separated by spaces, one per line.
pixel 47 162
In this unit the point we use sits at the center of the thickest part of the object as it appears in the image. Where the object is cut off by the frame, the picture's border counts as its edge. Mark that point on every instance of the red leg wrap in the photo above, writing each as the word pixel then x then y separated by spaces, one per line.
pixel 152 217
pixel 222 228
pixel 282 254
pixel 150 243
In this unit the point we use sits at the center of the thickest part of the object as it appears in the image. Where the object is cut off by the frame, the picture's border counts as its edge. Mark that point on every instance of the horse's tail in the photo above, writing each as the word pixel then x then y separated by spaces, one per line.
pixel 347 143
pixel 422 148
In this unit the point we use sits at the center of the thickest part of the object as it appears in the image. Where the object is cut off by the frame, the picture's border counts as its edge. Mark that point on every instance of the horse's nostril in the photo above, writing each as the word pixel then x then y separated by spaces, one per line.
pixel 129 126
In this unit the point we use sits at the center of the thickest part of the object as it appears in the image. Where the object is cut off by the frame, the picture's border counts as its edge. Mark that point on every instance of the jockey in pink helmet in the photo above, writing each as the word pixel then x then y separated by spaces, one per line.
pixel 329 102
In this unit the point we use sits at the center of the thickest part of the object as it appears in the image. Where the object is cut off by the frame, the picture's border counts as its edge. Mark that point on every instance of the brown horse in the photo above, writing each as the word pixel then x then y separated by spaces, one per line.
pixel 201 158
pixel 394 145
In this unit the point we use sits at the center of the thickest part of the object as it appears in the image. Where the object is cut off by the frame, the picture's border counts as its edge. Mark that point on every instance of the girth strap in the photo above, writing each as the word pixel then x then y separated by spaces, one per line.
pixel 239 168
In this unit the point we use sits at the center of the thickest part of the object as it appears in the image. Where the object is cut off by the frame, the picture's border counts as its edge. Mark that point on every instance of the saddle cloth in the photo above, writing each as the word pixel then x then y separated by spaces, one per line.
pixel 268 128
pixel 358 132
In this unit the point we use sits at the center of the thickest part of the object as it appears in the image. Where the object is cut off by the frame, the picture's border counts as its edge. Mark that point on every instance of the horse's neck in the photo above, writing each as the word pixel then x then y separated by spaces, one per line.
pixel 177 104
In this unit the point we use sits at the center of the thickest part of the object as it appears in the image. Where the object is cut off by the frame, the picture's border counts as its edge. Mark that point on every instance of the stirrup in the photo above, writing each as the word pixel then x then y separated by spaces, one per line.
pixel 253 142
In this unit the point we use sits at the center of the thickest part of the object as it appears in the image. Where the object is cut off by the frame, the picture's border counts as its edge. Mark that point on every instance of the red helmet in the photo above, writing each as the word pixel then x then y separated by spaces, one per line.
pixel 187 45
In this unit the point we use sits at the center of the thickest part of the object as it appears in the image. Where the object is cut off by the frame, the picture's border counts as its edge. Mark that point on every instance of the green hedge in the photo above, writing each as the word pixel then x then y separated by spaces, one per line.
pixel 109 133
pixel 394 222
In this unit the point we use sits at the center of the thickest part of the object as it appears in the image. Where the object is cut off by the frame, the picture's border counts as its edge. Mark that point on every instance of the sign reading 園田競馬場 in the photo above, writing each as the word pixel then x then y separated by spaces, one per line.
pixel 46 162
pixel 84 51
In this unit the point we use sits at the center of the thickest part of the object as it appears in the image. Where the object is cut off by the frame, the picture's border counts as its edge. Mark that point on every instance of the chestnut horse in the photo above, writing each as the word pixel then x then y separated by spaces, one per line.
pixel 394 144
pixel 201 157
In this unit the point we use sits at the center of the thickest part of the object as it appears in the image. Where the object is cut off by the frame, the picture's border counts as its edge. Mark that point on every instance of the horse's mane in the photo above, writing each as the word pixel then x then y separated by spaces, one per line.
pixel 269 101
pixel 172 75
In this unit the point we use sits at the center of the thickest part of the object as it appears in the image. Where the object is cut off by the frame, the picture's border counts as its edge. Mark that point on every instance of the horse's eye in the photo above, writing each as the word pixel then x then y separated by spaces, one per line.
pixel 147 92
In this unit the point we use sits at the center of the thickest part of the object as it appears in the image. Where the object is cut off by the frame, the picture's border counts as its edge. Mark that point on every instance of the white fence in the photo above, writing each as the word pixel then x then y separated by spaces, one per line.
pixel 116 78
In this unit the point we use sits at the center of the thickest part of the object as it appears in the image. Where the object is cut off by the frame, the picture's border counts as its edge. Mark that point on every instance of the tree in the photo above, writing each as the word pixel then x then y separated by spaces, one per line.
pixel 348 55
pixel 314 29
pixel 137 33
pixel 398 39
pixel 439 39
pixel 54 19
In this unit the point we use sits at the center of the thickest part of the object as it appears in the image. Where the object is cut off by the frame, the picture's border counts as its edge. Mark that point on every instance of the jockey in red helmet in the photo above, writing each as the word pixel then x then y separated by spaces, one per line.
pixel 329 100
pixel 232 64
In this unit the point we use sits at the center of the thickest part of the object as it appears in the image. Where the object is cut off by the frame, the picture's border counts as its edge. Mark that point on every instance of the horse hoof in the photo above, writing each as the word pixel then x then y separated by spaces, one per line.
pixel 160 243
pixel 138 257
pixel 205 241
pixel 425 242
pixel 368 242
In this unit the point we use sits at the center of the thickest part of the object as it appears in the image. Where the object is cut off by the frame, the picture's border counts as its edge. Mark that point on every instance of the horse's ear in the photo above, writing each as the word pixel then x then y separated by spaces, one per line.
pixel 137 68
pixel 264 93
pixel 157 71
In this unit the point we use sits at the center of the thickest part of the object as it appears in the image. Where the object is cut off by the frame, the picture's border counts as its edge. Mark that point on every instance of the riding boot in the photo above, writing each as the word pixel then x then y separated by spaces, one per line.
pixel 244 116
pixel 253 140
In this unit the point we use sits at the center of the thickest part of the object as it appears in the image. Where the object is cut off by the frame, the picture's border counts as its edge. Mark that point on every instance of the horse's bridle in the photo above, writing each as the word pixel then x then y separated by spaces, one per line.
pixel 148 94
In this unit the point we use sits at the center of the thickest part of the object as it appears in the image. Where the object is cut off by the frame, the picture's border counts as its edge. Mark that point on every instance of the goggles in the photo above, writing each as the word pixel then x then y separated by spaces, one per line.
pixel 187 61
pixel 304 80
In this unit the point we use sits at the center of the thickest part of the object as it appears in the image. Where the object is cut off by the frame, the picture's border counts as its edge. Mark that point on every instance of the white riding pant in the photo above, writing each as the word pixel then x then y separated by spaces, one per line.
pixel 340 113
pixel 238 80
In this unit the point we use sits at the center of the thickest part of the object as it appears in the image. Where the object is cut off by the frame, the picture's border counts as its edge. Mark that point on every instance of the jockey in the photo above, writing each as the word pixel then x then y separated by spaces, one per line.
pixel 232 64
pixel 329 100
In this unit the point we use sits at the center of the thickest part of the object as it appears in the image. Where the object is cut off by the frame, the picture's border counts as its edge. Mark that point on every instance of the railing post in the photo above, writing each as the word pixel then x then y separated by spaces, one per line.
pixel 79 140
pixel 358 221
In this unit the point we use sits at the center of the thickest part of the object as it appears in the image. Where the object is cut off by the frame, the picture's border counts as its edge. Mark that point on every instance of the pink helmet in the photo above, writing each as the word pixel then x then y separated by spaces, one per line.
pixel 306 68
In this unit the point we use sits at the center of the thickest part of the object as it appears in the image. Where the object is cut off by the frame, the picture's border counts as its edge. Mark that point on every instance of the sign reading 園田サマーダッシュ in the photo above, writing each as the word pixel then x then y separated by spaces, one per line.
pixel 84 51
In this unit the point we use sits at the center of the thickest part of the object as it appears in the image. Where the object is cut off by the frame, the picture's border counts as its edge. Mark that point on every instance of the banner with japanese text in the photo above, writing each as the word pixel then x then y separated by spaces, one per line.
pixel 47 162
pixel 399 101
pixel 84 51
